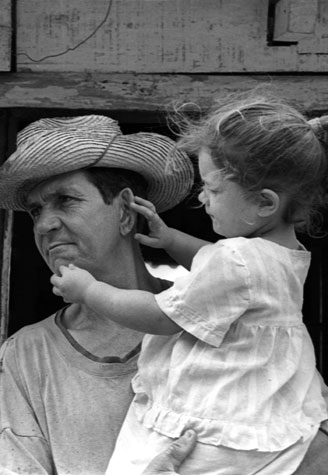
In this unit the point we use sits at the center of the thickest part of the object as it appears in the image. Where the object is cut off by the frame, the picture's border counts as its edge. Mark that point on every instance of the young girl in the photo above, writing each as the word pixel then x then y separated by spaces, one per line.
pixel 227 353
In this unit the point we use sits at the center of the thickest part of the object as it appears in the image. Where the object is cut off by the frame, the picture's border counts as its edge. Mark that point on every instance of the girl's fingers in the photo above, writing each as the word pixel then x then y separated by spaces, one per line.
pixel 147 204
pixel 146 212
pixel 143 202
pixel 54 279
pixel 146 240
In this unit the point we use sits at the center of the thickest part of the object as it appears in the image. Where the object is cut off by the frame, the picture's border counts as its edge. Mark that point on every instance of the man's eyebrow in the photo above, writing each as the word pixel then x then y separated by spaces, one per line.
pixel 31 202
pixel 63 190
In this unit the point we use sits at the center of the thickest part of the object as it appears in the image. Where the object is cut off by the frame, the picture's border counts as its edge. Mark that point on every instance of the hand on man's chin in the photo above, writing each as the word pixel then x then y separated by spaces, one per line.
pixel 55 265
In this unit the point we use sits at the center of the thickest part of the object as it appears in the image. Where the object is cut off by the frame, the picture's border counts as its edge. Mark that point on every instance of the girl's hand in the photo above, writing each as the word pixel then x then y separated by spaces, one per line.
pixel 160 235
pixel 72 284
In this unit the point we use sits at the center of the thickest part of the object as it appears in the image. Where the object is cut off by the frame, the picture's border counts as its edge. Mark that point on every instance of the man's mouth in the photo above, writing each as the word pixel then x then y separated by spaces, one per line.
pixel 57 245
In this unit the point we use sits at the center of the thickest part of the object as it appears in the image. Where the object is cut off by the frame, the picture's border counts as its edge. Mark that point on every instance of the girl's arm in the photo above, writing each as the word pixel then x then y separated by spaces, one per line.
pixel 136 309
pixel 183 247
pixel 180 246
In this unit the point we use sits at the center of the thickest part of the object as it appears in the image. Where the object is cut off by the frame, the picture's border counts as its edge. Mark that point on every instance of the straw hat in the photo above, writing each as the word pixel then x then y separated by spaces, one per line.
pixel 49 147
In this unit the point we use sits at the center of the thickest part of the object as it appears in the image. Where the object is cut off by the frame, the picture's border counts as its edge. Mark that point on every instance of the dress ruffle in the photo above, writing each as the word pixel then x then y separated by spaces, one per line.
pixel 276 435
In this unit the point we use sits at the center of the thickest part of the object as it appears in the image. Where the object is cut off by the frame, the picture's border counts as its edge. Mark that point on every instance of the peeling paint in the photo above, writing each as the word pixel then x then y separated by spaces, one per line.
pixel 38 95
pixel 152 92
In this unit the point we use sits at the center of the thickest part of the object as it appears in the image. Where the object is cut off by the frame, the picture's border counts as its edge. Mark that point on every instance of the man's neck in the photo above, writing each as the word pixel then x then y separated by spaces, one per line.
pixel 98 334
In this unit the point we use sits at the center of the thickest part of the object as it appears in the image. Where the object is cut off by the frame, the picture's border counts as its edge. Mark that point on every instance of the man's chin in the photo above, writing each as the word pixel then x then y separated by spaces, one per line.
pixel 57 263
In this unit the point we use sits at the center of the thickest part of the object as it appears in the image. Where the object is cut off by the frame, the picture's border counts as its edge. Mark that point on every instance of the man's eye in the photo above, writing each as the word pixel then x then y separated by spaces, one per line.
pixel 65 199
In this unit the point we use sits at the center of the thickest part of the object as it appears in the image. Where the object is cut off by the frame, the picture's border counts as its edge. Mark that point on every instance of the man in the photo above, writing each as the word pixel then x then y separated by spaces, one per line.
pixel 65 382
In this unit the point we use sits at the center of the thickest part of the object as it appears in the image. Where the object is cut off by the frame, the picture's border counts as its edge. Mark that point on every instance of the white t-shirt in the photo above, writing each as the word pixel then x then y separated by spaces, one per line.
pixel 61 408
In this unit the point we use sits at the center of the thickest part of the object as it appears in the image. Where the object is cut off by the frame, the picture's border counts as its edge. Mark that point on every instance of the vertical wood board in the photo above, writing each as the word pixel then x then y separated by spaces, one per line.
pixel 5 35
pixel 7 222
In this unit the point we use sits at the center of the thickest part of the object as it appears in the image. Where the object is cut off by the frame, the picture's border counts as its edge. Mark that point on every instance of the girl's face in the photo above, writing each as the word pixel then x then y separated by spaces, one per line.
pixel 225 202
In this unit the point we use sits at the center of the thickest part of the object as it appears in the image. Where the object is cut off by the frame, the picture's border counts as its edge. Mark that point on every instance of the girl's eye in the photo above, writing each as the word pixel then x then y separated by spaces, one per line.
pixel 34 212
pixel 214 191
pixel 209 189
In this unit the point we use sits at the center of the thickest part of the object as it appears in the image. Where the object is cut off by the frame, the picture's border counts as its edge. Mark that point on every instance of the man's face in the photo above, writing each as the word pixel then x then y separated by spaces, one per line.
pixel 72 224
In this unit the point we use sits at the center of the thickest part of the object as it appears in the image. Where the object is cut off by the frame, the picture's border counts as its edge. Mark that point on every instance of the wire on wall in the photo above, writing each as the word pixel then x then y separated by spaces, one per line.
pixel 72 48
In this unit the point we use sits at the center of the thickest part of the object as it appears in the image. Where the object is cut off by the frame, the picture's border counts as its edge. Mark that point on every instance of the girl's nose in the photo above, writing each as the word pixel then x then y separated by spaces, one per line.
pixel 46 222
pixel 202 197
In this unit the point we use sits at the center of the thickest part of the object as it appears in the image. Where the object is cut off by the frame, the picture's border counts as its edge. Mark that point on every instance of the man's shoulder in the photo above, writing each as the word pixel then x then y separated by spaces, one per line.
pixel 29 336
pixel 35 329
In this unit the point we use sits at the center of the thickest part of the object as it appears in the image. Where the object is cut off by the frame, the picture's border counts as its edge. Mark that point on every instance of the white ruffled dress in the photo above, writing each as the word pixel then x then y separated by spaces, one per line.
pixel 242 373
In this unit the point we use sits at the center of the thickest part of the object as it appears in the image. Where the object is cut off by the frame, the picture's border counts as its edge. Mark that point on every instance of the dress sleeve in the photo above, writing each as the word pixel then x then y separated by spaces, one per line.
pixel 215 293
pixel 23 447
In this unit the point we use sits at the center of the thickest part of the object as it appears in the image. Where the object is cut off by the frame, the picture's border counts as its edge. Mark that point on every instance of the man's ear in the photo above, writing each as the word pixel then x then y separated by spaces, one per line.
pixel 128 217
pixel 269 203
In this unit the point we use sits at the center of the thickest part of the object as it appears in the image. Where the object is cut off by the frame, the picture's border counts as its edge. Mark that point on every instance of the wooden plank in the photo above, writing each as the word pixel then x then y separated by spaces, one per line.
pixel 147 92
pixel 5 239
pixel 5 273
pixel 294 19
pixel 5 35
pixel 153 36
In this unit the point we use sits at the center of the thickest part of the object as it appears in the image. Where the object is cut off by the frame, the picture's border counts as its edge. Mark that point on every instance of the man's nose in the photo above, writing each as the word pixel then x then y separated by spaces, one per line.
pixel 47 221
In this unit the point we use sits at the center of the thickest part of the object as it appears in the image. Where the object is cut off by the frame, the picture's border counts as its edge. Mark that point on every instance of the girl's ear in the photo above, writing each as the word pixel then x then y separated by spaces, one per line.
pixel 269 203
pixel 128 217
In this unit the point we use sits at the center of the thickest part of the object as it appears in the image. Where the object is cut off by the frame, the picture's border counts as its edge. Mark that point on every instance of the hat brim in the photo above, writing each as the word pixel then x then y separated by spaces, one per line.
pixel 47 153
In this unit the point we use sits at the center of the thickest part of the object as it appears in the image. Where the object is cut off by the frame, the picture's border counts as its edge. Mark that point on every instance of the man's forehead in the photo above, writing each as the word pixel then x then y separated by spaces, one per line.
pixel 75 181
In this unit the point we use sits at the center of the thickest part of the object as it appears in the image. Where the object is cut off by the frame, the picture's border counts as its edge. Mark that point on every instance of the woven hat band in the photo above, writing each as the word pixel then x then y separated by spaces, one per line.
pixel 97 160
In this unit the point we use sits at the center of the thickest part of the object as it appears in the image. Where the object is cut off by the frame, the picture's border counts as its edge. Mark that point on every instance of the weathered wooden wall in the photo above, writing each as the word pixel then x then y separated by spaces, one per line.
pixel 170 36
pixel 149 92
pixel 144 54
pixel 5 34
